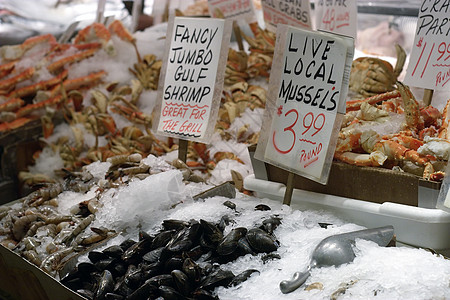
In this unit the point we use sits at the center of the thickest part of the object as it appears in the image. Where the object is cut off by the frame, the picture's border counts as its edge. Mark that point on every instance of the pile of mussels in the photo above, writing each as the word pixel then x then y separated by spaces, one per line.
pixel 181 261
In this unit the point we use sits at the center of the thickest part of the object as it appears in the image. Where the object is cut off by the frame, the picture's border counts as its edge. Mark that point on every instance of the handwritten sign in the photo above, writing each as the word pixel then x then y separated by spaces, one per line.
pixel 337 16
pixel 233 9
pixel 429 65
pixel 295 13
pixel 192 79
pixel 305 95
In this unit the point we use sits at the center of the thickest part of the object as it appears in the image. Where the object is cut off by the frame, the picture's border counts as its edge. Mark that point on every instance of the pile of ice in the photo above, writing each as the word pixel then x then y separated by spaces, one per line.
pixel 376 272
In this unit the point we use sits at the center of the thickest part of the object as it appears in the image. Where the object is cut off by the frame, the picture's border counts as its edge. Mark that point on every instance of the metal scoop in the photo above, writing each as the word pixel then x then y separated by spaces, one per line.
pixel 336 250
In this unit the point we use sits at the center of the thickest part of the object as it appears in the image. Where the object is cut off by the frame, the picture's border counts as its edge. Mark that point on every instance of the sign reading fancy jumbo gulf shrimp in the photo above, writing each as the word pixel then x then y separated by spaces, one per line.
pixel 308 86
pixel 194 61
pixel 429 65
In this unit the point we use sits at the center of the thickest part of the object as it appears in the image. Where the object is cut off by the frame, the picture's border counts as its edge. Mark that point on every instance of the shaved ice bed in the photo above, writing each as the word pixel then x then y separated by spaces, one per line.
pixel 376 272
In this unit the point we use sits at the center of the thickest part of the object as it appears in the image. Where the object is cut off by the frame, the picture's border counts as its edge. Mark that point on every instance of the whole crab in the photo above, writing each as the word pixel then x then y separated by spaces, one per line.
pixel 370 76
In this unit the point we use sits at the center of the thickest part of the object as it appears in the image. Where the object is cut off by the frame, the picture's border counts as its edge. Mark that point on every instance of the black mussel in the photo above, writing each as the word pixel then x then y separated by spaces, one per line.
pixel 133 277
pixel 324 225
pixel 134 253
pixel 238 279
pixel 185 239
pixel 173 263
pixel 174 224
pixel 106 263
pixel 144 236
pixel 207 268
pixel 169 293
pixel 270 256
pixel 85 268
pixel 211 235
pixel 192 270
pixel 182 282
pixel 162 238
pixel 262 207
pixel 112 296
pixel 229 243
pixel 105 285
pixel 216 278
pixel 73 284
pixel 127 244
pixel 95 256
pixel 244 247
pixel 113 251
pixel 151 270
pixel 164 279
pixel 194 253
pixel 153 256
pixel 121 288
pixel 225 220
pixel 86 294
pixel 145 291
pixel 261 241
pixel 230 204
pixel 118 269
pixel 201 294
pixel 269 225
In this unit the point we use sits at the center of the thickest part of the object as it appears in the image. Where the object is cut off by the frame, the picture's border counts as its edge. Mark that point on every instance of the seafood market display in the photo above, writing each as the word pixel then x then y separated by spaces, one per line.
pixel 110 197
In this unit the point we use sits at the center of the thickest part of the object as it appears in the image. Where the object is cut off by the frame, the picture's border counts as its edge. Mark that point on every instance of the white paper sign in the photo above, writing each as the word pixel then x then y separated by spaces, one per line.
pixel 233 9
pixel 189 91
pixel 429 65
pixel 337 16
pixel 295 13
pixel 310 91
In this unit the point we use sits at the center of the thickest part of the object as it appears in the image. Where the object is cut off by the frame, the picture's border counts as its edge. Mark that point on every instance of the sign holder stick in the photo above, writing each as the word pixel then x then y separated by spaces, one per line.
pixel 182 149
pixel 289 189
pixel 427 96
pixel 237 34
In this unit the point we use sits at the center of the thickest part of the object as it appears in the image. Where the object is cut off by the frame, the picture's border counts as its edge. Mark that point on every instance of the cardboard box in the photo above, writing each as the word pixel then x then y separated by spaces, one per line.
pixel 363 183
pixel 21 280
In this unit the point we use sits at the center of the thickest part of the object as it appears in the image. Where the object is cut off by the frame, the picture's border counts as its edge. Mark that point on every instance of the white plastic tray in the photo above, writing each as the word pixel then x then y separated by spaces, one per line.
pixel 416 226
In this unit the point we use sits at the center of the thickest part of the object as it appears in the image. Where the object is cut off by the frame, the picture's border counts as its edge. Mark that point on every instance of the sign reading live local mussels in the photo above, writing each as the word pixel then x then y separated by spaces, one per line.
pixel 338 16
pixel 193 80
pixel 290 12
pixel 308 87
pixel 429 65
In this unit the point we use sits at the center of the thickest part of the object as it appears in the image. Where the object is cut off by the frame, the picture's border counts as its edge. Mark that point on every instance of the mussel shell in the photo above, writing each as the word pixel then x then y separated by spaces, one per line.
pixel 216 278
pixel 95 256
pixel 244 247
pixel 118 268
pixel 153 256
pixel 230 204
pixel 152 270
pixel 127 244
pixel 169 293
pixel 173 263
pixel 211 235
pixel 86 294
pixel 241 277
pixel 114 251
pixel 270 256
pixel 145 291
pixel 185 239
pixel 122 288
pixel 163 279
pixel 194 253
pixel 105 285
pixel 262 207
pixel 225 220
pixel 106 263
pixel 192 270
pixel 201 294
pixel 269 225
pixel 112 296
pixel 162 238
pixel 134 253
pixel 174 224
pixel 229 242
pixel 261 241
pixel 85 268
pixel 182 282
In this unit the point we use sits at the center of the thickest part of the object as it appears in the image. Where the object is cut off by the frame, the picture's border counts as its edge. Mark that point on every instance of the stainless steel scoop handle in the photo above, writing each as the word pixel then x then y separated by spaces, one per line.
pixel 288 286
